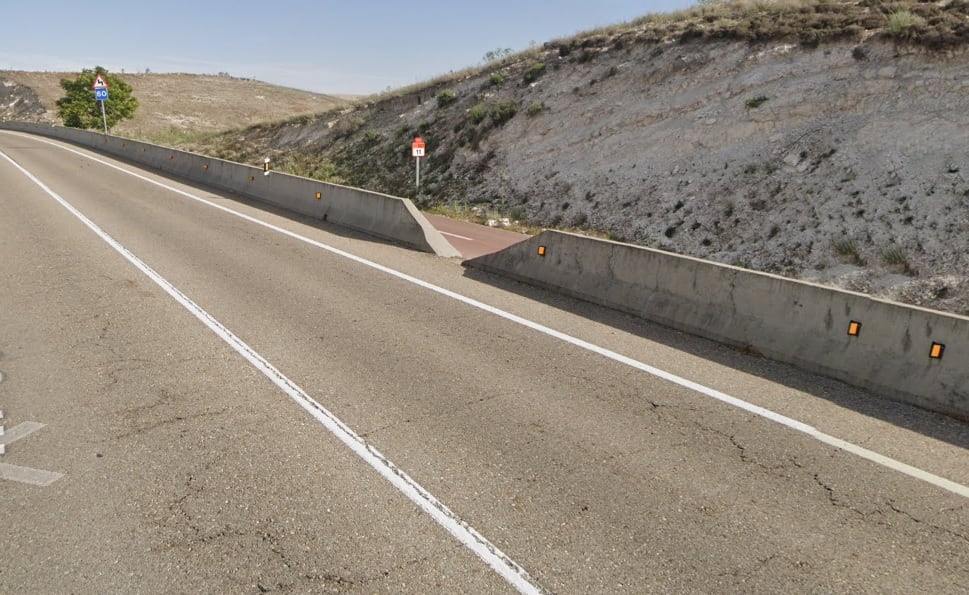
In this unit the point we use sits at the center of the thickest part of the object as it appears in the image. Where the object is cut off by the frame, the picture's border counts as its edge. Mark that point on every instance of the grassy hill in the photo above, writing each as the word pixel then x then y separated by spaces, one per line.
pixel 178 107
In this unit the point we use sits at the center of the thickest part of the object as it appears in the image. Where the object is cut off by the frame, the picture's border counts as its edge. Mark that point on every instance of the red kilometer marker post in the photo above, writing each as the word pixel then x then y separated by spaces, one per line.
pixel 417 150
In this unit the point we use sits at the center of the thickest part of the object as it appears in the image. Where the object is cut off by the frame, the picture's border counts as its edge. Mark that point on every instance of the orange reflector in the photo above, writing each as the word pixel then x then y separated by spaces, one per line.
pixel 854 328
pixel 252 178
pixel 206 166
pixel 937 350
pixel 319 195
pixel 541 250
pixel 170 157
pixel 122 145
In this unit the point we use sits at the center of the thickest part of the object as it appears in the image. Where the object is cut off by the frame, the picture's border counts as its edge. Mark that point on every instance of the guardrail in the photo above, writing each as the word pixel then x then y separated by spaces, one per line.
pixel 380 215
pixel 909 354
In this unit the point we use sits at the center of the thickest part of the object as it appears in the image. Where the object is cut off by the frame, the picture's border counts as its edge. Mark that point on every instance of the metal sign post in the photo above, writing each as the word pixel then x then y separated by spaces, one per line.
pixel 417 150
pixel 104 116
pixel 101 95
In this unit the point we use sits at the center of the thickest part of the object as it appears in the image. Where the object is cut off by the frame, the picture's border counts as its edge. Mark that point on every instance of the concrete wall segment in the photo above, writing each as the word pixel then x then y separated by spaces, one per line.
pixel 787 320
pixel 380 215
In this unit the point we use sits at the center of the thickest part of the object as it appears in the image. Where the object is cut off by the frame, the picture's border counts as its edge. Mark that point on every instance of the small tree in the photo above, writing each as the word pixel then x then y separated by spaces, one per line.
pixel 79 109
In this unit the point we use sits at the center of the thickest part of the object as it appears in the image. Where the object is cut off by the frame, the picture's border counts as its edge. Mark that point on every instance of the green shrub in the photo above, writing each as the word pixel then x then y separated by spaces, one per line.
pixel 755 102
pixel 534 109
pixel 503 111
pixel 534 71
pixel 903 23
pixel 478 113
pixel 894 255
pixel 847 249
pixel 496 79
pixel 446 97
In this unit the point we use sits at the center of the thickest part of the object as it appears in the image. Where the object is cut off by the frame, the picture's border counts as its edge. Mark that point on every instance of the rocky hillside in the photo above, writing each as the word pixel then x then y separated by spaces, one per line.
pixel 823 141
pixel 18 102
pixel 174 107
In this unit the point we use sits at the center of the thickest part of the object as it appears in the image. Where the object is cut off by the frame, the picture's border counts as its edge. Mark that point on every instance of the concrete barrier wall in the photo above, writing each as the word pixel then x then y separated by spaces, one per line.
pixel 796 322
pixel 383 216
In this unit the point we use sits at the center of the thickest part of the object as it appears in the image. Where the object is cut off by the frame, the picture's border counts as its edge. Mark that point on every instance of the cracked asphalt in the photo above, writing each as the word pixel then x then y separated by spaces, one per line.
pixel 186 470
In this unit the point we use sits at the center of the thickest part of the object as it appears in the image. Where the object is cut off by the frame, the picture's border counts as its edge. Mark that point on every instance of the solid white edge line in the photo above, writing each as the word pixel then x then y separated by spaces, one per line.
pixel 783 420
pixel 504 566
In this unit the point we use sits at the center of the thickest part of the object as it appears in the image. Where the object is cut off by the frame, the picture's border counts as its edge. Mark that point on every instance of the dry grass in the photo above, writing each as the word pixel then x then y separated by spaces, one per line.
pixel 936 25
pixel 176 108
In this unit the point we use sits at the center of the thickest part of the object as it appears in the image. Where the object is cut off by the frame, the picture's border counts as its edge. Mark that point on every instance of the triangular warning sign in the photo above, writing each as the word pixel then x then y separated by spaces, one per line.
pixel 99 82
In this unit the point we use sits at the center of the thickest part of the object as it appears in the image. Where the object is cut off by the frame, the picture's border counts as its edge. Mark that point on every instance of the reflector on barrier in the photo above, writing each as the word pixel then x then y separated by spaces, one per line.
pixel 937 350
pixel 854 328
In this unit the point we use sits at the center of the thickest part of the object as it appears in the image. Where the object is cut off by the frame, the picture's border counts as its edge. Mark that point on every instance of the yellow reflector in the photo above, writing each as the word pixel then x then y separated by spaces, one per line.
pixel 937 350
pixel 854 328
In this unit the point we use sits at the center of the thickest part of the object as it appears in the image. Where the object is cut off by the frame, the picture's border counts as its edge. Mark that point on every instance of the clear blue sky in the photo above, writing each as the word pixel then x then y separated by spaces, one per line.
pixel 352 46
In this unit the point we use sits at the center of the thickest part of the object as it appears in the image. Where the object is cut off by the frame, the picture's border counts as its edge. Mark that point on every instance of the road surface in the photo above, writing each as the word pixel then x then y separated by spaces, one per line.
pixel 202 395
pixel 473 240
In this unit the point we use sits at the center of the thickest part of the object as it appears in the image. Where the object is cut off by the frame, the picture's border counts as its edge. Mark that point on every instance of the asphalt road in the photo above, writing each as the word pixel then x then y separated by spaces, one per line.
pixel 168 462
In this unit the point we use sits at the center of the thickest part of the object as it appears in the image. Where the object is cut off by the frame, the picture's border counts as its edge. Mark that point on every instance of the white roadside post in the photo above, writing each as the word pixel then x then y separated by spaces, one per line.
pixel 100 87
pixel 417 150
pixel 265 166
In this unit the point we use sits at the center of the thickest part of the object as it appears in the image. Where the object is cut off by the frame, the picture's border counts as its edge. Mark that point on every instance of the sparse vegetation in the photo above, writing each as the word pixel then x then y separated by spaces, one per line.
pixel 496 79
pixel 755 102
pixel 478 113
pixel 446 97
pixel 534 72
pixel 503 111
pixel 847 249
pixel 894 255
pixel 534 109
pixel 498 54
pixel 904 24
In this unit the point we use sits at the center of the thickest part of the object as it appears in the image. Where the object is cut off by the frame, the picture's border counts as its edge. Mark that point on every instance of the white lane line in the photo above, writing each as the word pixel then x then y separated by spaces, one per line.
pixel 783 420
pixel 507 568
pixel 19 432
pixel 37 477
pixel 454 235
